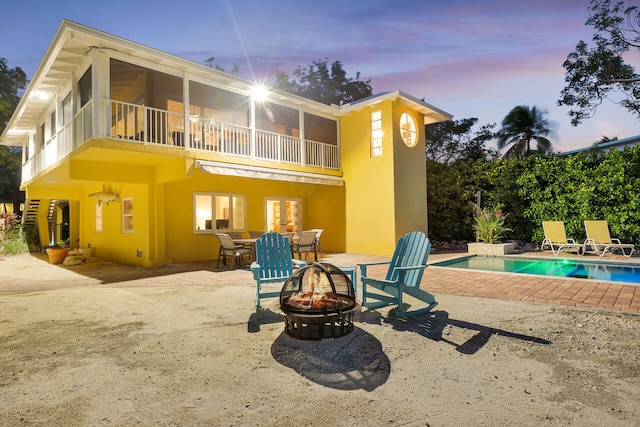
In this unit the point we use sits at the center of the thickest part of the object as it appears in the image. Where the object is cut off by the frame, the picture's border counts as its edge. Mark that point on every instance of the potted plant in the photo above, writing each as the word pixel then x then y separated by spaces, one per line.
pixel 58 253
pixel 490 228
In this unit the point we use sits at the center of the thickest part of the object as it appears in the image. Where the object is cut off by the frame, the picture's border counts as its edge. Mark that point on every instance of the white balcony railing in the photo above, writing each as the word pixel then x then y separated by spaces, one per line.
pixel 277 147
pixel 60 144
pixel 218 137
pixel 83 126
pixel 322 155
pixel 152 126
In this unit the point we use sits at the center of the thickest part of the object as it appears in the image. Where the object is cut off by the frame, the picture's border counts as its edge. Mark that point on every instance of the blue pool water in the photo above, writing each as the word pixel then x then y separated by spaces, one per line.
pixel 617 272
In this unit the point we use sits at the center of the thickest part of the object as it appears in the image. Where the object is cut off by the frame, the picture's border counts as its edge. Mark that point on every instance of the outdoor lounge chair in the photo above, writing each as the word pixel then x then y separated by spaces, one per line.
pixel 555 237
pixel 599 239
pixel 273 264
pixel 403 276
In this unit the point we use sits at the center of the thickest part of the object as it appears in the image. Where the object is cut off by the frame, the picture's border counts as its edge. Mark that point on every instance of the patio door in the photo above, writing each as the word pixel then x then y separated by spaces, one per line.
pixel 282 215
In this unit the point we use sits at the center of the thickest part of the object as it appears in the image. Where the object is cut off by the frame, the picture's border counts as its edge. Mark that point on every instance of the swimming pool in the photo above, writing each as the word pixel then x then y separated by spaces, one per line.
pixel 559 267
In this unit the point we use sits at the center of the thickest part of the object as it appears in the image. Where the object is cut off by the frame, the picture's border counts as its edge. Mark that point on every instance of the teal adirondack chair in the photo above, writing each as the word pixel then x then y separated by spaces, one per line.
pixel 405 272
pixel 273 263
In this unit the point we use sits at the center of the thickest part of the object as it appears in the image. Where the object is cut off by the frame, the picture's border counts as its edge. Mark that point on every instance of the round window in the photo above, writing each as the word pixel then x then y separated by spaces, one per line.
pixel 408 130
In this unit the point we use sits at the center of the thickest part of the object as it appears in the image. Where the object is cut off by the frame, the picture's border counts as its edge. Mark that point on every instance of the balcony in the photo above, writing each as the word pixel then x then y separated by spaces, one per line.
pixel 138 124
pixel 152 126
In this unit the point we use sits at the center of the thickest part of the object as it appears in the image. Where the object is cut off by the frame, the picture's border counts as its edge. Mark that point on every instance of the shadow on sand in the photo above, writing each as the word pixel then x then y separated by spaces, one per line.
pixel 352 362
pixel 432 325
pixel 357 361
pixel 109 272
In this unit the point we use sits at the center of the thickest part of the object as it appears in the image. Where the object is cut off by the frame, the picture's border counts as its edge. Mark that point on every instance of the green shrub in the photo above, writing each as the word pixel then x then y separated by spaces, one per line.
pixel 587 185
pixel 14 241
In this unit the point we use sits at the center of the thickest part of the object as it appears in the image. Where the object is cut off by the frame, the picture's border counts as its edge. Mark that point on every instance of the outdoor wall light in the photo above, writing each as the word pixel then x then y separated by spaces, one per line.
pixel 42 95
pixel 259 92
pixel 18 132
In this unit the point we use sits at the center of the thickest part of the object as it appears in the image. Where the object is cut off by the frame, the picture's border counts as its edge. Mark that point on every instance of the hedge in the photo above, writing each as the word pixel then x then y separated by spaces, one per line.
pixel 587 185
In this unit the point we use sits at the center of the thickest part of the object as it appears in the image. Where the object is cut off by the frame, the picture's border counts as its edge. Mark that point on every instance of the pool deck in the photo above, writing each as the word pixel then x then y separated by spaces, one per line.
pixel 573 292
pixel 32 272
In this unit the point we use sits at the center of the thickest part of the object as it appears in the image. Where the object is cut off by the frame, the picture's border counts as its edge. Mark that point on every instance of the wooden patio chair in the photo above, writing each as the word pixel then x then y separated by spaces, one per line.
pixel 555 237
pixel 403 277
pixel 599 238
pixel 273 264
pixel 229 249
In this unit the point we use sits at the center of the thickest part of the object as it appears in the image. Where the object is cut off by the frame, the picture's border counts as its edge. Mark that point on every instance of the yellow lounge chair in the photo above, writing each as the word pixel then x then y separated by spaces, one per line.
pixel 600 240
pixel 555 237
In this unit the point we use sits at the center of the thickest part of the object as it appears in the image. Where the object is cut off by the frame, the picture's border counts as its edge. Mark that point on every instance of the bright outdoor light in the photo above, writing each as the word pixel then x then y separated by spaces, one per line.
pixel 259 92
pixel 41 95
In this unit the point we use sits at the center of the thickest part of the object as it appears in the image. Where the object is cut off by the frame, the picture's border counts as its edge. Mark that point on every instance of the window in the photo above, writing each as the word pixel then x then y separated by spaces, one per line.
pixel 84 88
pixel 408 130
pixel 98 217
pixel 376 134
pixel 53 129
pixel 127 215
pixel 219 212
pixel 66 109
pixel 40 138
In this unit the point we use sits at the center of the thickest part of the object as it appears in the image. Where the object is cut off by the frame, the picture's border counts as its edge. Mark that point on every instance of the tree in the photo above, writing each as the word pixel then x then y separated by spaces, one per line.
pixel 10 170
pixel 329 86
pixel 605 139
pixel 594 74
pixel 455 140
pixel 12 80
pixel 522 126
pixel 210 62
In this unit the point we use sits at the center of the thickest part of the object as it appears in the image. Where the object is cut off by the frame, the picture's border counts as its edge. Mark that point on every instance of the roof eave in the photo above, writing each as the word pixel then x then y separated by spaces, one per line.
pixel 431 114
pixel 13 135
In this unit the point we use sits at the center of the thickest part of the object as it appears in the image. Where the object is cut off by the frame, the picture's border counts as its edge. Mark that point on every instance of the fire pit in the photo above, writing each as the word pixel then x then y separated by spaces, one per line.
pixel 318 302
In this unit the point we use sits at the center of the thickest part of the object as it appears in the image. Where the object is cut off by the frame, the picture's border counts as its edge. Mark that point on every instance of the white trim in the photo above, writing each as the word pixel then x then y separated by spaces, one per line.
pixel 431 113
pixel 218 168
pixel 283 201
pixel 125 215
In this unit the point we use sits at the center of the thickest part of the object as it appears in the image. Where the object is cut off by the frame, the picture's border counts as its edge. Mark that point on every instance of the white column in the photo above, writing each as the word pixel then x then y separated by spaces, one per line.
pixel 303 144
pixel 252 126
pixel 187 119
pixel 100 88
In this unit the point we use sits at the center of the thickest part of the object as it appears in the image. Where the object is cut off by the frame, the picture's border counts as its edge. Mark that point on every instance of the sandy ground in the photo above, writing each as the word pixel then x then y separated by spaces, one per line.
pixel 113 346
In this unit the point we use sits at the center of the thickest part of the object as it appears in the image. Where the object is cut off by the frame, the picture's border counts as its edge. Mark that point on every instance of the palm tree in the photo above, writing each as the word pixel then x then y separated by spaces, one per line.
pixel 520 127
pixel 605 139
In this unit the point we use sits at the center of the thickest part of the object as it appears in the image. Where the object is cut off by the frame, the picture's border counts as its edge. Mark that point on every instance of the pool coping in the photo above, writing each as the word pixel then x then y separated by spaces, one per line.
pixel 541 258
pixel 572 292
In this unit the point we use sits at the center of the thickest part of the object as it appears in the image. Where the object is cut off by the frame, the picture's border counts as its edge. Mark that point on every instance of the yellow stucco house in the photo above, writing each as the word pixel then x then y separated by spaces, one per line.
pixel 143 155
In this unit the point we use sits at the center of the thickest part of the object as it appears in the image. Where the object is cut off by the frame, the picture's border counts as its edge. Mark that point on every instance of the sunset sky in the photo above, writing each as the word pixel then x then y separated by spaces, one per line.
pixel 470 58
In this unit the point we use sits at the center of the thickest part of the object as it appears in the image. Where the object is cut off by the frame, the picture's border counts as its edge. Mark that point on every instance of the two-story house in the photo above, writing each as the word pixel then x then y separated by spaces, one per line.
pixel 144 155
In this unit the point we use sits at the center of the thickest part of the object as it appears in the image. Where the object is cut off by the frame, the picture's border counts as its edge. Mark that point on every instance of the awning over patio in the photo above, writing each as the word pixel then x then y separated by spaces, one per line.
pixel 218 168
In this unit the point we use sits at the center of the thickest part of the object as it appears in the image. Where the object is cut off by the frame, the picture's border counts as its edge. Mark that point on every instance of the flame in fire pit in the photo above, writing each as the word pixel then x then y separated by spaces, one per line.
pixel 317 294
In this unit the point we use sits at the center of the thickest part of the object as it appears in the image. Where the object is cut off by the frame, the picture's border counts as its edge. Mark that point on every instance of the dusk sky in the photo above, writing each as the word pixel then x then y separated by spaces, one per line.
pixel 470 58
